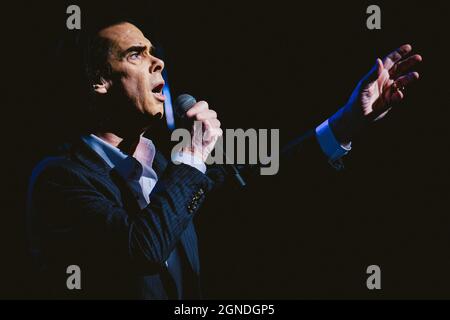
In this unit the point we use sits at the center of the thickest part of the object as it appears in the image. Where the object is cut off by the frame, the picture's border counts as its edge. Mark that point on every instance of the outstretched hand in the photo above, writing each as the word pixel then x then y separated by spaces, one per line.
pixel 381 89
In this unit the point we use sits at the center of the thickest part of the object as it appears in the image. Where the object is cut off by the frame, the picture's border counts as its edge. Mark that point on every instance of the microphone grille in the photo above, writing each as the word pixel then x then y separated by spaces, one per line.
pixel 183 103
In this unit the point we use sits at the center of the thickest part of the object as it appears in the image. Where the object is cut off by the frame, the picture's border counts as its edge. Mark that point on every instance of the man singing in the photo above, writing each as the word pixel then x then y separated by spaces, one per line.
pixel 117 208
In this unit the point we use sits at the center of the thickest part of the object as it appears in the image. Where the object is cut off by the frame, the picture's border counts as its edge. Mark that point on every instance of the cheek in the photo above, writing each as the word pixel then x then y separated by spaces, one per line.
pixel 143 85
pixel 136 88
pixel 129 86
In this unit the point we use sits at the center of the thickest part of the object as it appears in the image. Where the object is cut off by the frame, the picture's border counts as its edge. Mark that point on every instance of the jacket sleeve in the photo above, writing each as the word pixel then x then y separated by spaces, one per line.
pixel 75 213
pixel 301 157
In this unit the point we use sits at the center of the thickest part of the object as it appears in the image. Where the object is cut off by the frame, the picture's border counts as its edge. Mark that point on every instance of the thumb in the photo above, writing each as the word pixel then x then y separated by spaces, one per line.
pixel 375 72
pixel 380 67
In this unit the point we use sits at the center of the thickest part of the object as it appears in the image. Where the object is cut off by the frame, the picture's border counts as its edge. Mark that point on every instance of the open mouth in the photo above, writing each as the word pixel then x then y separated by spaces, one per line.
pixel 158 92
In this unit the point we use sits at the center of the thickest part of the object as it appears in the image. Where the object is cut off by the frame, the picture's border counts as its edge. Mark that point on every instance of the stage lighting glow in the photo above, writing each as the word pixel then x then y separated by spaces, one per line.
pixel 168 109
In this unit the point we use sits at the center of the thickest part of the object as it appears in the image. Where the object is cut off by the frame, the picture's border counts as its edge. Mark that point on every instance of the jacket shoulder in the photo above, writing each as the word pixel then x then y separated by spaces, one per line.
pixel 57 169
pixel 57 164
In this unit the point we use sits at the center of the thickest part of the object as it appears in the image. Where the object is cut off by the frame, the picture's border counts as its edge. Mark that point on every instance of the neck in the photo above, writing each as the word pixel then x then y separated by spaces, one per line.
pixel 127 144
pixel 124 137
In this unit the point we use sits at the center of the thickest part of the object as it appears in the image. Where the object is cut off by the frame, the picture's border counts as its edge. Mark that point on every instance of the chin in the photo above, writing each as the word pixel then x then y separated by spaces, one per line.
pixel 159 111
pixel 154 113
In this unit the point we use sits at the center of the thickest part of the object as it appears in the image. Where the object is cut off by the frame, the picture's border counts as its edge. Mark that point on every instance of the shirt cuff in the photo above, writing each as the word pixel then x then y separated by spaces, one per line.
pixel 328 143
pixel 190 160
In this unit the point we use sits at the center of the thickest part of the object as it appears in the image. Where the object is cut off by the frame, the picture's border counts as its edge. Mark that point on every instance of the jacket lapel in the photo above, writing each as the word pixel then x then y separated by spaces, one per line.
pixel 89 158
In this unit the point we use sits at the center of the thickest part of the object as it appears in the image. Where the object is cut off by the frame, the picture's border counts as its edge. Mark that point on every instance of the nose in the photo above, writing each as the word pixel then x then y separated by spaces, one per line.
pixel 157 65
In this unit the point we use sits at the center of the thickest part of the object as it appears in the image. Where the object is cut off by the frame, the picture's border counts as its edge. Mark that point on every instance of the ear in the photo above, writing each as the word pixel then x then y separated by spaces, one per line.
pixel 102 86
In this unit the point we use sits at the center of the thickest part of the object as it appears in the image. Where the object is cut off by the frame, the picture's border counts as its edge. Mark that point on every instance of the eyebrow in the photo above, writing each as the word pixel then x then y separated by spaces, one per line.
pixel 138 48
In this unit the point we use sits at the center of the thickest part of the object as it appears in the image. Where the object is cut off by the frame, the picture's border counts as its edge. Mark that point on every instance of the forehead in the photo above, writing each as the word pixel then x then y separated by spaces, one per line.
pixel 124 35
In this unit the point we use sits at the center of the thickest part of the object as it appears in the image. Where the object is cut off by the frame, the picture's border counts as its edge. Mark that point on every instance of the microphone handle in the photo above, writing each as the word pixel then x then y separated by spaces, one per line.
pixel 234 171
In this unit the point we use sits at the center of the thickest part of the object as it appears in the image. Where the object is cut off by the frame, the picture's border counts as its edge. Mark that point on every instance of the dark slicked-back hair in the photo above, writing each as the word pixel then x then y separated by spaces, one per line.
pixel 94 50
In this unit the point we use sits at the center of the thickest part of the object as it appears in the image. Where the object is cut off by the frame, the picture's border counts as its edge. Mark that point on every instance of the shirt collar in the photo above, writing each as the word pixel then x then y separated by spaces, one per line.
pixel 129 167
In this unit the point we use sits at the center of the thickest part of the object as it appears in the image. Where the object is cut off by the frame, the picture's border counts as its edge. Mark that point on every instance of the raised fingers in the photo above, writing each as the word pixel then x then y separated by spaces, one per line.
pixel 405 80
pixel 404 65
pixel 392 58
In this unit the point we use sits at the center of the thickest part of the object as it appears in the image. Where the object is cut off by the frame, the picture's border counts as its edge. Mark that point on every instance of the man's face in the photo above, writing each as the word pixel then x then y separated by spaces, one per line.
pixel 136 73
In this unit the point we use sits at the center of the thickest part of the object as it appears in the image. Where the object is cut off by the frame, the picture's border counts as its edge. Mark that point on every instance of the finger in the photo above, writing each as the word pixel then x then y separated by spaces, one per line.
pixel 212 134
pixel 395 56
pixel 405 80
pixel 404 65
pixel 215 132
pixel 212 123
pixel 380 67
pixel 198 107
pixel 397 96
pixel 374 73
pixel 205 115
pixel 376 70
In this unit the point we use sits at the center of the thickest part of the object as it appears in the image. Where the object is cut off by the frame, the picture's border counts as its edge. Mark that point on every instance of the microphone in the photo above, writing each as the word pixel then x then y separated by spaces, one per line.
pixel 182 104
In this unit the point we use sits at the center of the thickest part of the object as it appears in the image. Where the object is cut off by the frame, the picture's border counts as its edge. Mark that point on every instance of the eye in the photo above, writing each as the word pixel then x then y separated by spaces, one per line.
pixel 135 56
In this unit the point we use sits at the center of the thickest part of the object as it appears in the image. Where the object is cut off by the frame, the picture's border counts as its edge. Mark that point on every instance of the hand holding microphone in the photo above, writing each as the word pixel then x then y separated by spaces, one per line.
pixel 205 127
pixel 205 131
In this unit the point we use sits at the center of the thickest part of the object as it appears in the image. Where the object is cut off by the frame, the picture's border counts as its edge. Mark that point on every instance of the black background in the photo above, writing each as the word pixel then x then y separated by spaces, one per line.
pixel 286 65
